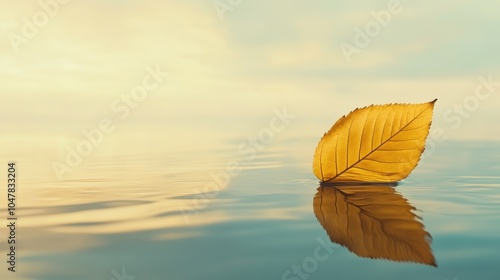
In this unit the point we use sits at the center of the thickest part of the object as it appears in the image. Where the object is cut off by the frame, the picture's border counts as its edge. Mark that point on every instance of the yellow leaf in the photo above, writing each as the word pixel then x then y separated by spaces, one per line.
pixel 373 222
pixel 379 143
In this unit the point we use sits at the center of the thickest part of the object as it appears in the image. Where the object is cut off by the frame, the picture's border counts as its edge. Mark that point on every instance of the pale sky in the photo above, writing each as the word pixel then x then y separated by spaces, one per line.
pixel 228 73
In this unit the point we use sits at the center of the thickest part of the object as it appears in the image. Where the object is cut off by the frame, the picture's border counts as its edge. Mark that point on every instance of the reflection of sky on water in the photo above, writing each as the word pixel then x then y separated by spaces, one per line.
pixel 256 228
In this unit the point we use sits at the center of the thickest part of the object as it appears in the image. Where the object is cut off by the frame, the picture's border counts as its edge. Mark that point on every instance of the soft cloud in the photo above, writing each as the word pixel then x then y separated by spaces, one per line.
pixel 264 55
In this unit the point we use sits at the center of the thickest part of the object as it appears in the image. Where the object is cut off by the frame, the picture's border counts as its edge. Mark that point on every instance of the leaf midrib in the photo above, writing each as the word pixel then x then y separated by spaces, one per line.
pixel 374 150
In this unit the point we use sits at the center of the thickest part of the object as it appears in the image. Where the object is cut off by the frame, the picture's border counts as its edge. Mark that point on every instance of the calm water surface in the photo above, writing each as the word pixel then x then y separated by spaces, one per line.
pixel 149 216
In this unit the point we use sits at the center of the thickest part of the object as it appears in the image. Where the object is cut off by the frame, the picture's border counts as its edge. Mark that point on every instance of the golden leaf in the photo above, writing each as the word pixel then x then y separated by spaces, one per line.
pixel 373 222
pixel 379 143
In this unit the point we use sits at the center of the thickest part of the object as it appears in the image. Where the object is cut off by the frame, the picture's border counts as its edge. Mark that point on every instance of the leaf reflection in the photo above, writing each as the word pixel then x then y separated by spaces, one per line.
pixel 374 222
